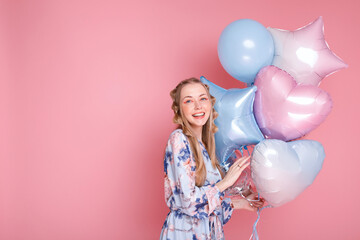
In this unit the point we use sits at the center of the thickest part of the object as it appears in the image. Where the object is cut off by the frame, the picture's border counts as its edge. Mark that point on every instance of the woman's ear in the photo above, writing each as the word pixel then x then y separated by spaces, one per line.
pixel 176 109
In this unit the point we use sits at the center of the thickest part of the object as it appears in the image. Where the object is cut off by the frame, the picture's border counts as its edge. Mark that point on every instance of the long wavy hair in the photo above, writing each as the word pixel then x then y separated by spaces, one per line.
pixel 208 131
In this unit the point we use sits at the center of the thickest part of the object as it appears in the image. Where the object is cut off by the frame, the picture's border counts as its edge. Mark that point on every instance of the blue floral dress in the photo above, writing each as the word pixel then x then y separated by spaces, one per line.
pixel 195 212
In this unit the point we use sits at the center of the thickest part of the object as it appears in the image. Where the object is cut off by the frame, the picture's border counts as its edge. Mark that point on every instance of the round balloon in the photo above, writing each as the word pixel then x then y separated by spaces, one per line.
pixel 245 46
pixel 243 183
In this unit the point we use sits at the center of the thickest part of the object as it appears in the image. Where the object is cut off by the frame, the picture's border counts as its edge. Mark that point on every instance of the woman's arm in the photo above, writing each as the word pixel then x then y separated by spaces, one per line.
pixel 183 194
pixel 180 188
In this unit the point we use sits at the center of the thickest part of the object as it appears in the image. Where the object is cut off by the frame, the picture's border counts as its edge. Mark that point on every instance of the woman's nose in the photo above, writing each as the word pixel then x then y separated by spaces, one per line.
pixel 197 104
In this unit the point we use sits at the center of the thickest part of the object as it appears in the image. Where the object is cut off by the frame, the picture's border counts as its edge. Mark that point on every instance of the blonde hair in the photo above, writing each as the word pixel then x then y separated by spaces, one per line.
pixel 208 131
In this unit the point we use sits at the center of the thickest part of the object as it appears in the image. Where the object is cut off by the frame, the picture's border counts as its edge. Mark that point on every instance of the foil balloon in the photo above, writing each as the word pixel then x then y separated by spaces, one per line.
pixel 286 110
pixel 244 47
pixel 282 170
pixel 304 53
pixel 236 122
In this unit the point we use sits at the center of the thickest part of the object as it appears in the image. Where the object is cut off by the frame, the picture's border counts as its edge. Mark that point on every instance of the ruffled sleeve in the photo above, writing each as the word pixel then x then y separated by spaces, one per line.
pixel 181 193
pixel 227 209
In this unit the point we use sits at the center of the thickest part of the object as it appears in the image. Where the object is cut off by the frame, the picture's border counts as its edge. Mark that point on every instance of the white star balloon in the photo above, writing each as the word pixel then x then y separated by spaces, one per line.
pixel 304 53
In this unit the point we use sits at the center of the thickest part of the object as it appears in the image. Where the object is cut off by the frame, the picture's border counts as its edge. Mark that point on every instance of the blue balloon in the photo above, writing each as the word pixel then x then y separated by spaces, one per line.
pixel 236 121
pixel 245 46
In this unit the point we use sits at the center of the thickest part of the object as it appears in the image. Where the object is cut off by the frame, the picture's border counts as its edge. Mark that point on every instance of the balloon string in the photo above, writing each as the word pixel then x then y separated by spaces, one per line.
pixel 254 235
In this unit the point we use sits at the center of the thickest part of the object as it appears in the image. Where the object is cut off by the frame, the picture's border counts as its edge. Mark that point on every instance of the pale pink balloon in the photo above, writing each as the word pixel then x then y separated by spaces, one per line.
pixel 283 170
pixel 286 110
pixel 304 53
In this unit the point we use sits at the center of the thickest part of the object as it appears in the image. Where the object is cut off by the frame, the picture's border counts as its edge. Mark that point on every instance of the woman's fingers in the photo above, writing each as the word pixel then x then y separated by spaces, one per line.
pixel 239 168
pixel 255 202
pixel 258 203
pixel 252 196
pixel 244 166
pixel 236 169
pixel 241 161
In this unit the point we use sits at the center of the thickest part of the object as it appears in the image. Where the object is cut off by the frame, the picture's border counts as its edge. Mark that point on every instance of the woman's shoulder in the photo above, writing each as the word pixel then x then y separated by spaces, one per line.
pixel 177 131
pixel 177 136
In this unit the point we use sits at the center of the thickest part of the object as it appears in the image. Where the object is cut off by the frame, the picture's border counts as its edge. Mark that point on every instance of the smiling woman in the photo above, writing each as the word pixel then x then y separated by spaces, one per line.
pixel 196 106
pixel 193 178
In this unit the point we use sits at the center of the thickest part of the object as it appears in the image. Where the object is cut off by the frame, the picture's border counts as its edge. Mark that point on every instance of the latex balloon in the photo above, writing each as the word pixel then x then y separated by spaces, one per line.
pixel 286 110
pixel 281 170
pixel 304 53
pixel 242 186
pixel 244 47
pixel 236 122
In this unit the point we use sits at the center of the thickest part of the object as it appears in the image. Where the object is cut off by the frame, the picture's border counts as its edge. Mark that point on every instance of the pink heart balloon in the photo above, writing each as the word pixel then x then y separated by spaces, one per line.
pixel 285 109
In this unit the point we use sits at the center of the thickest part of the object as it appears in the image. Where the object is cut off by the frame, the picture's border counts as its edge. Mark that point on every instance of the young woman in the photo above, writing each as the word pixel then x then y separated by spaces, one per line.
pixel 194 183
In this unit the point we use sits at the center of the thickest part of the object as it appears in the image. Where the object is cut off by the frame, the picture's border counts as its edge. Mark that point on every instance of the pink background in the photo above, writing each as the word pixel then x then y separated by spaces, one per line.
pixel 85 115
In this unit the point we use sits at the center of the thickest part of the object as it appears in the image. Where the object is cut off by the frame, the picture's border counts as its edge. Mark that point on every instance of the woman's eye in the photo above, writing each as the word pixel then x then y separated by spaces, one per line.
pixel 188 101
pixel 204 99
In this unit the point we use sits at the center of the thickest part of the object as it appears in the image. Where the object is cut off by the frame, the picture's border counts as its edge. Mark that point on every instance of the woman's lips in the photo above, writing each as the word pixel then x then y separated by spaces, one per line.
pixel 199 115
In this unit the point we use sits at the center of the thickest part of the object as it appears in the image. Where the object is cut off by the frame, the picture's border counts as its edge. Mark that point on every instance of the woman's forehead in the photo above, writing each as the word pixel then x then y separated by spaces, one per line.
pixel 192 90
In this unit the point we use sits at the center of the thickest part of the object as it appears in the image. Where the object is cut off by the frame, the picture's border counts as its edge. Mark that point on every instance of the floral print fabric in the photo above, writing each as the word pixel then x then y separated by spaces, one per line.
pixel 195 212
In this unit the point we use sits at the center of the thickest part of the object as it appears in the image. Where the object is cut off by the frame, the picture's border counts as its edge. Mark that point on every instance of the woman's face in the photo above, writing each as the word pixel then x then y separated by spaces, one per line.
pixel 195 104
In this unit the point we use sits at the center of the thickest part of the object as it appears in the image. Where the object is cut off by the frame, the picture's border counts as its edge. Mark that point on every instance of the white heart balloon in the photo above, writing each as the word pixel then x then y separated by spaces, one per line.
pixel 282 170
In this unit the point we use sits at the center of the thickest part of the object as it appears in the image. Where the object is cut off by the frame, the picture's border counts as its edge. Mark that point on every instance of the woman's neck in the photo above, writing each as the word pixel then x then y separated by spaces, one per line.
pixel 198 132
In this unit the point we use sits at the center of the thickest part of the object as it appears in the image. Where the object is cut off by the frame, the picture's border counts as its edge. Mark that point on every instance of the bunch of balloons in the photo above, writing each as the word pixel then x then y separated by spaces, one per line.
pixel 283 102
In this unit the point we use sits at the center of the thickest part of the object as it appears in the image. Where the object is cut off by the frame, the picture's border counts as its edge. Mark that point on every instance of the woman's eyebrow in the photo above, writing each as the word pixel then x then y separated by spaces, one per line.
pixel 187 97
pixel 193 97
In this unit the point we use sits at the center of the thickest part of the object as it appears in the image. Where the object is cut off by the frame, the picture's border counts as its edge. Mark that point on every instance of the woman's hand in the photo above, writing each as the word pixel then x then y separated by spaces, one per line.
pixel 234 173
pixel 252 205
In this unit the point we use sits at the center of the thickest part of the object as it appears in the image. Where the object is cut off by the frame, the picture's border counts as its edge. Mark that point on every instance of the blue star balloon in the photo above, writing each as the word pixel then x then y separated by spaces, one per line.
pixel 236 121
